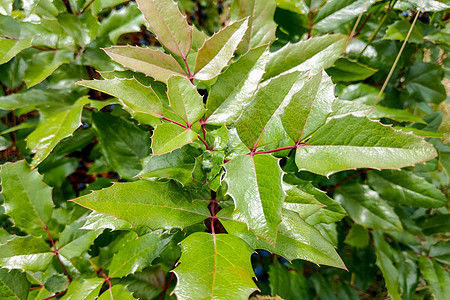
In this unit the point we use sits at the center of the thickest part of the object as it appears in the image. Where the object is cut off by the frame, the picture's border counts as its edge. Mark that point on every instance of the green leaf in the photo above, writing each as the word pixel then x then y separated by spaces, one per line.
pixel 255 184
pixel 185 100
pixel 138 254
pixel 53 129
pixel 13 285
pixel 308 109
pixel 360 92
pixel 351 142
pixel 121 141
pixel 347 70
pixel 168 137
pixel 25 253
pixel 259 123
pixel 153 63
pixel 261 29
pixel 177 165
pixel 313 54
pixel 343 108
pixel 301 202
pixel 86 289
pixel 149 203
pixel 366 207
pixel 10 48
pixel 36 98
pixel 335 13
pixel 217 51
pixel 296 239
pixel 423 82
pixel 441 252
pixel 28 200
pixel 287 285
pixel 82 27
pixel 436 276
pixel 418 132
pixel 225 268
pixel 399 115
pixel 131 93
pixel 235 87
pixel 96 221
pixel 438 223
pixel 358 237
pixel 399 29
pixel 427 5
pixel 78 243
pixel 44 64
pixel 169 25
pixel 385 263
pixel 406 188
pixel 118 291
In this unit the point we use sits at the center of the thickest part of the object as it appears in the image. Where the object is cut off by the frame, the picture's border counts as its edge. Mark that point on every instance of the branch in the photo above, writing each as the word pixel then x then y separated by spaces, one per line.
pixel 56 252
pixel 85 7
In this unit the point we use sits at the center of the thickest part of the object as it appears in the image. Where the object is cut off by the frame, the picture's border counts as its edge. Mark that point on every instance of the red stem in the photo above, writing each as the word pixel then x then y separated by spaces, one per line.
pixel 56 252
pixel 191 78
pixel 186 127
pixel 166 286
pixel 175 122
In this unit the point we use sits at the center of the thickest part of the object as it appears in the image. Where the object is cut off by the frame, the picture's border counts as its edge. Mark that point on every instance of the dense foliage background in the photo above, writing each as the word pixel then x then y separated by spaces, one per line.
pixel 391 228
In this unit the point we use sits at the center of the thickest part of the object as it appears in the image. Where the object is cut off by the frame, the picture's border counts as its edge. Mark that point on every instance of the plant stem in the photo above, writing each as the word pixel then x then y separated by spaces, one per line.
pixel 56 252
pixel 166 286
pixel 352 34
pixel 330 189
pixel 398 56
pixel 191 78
pixel 85 7
pixel 175 122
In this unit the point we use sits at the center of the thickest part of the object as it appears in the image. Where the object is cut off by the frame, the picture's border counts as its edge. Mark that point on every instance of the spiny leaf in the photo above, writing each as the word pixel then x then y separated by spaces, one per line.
pixel 13 285
pixel 367 208
pixel 313 54
pixel 220 261
pixel 26 253
pixel 44 64
pixel 185 100
pixel 436 276
pixel 118 291
pixel 236 86
pixel 254 183
pixel 406 188
pixel 168 137
pixel 169 25
pixel 308 109
pixel 296 239
pixel 131 93
pixel 53 129
pixel 154 63
pixel 28 201
pixel 138 254
pixel 217 51
pixel 351 142
pixel 259 123
pixel 262 27
pixel 10 48
pixel 158 205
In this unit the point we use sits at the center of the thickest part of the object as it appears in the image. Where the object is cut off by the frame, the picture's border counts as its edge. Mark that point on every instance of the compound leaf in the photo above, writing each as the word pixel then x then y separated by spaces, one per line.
pixel 158 205
pixel 221 261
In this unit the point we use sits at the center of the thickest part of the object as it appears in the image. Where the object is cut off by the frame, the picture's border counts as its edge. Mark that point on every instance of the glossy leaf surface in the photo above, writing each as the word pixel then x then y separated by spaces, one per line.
pixel 153 204
pixel 88 289
pixel 225 268
pixel 351 142
pixel 13 285
pixel 168 137
pixel 10 48
pixel 44 64
pixel 28 200
pixel 254 183
pixel 185 100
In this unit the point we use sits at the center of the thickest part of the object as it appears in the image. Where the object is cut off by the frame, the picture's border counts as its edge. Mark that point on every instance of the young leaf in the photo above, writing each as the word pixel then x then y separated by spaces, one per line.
pixel 351 142
pixel 255 184
pixel 366 207
pixel 217 51
pixel 313 54
pixel 153 63
pixel 13 285
pixel 169 25
pixel 53 129
pixel 406 188
pixel 158 205
pixel 254 125
pixel 185 100
pixel 44 64
pixel 131 93
pixel 28 201
pixel 168 137
pixel 235 87
pixel 26 253
pixel 86 289
pixel 261 28
pixel 225 268
pixel 296 239
pixel 10 48
pixel 121 140
pixel 308 109
pixel 436 276
pixel 138 254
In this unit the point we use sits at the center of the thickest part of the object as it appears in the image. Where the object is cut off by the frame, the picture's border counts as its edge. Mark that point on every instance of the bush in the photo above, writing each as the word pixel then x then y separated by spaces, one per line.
pixel 302 134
